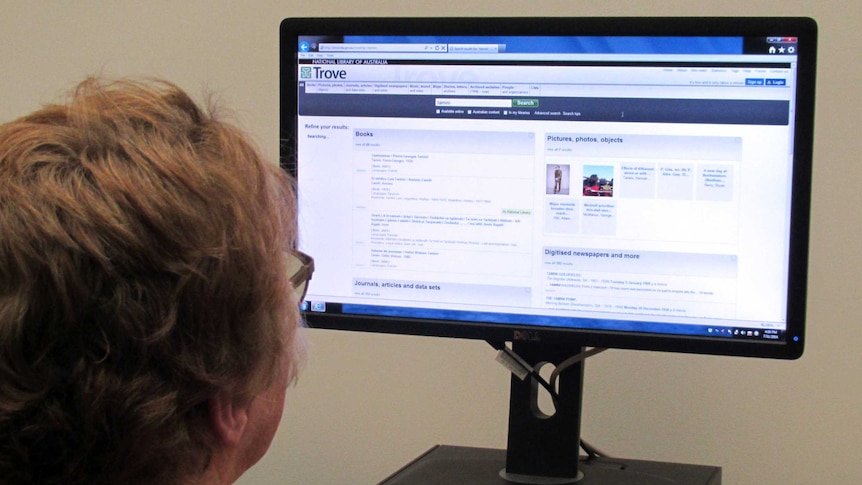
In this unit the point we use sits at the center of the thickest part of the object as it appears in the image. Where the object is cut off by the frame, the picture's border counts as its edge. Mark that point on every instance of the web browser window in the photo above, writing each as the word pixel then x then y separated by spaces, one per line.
pixel 622 183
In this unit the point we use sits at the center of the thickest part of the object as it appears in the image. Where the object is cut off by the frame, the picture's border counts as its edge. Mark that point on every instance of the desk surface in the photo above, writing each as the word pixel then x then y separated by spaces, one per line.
pixel 453 465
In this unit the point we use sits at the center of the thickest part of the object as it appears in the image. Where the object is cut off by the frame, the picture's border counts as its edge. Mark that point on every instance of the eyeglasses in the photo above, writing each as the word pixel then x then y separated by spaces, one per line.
pixel 300 266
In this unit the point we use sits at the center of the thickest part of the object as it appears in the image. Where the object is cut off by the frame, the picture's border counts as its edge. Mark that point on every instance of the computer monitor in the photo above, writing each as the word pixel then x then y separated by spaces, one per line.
pixel 558 183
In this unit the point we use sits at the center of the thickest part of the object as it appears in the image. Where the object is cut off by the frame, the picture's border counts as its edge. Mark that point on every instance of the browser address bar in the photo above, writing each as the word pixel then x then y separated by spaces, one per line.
pixel 473 103
pixel 339 47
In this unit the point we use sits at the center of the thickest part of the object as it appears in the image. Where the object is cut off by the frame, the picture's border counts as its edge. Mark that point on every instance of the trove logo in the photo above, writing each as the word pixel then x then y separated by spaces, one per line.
pixel 305 73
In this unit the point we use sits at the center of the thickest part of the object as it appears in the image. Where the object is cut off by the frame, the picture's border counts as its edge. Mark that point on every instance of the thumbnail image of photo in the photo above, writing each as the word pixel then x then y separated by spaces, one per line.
pixel 557 179
pixel 598 180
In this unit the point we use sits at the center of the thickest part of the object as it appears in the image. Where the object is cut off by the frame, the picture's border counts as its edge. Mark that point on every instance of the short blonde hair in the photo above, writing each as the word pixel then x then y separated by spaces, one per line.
pixel 141 241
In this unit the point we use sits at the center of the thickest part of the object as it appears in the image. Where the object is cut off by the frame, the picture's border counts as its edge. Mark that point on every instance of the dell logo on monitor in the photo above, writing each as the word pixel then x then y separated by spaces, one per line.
pixel 527 336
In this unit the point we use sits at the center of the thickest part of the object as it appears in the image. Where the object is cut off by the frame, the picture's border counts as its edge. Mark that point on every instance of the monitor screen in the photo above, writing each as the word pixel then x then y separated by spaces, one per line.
pixel 632 183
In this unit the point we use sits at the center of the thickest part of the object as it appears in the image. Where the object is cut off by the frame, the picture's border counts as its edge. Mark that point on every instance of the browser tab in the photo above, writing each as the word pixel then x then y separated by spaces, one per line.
pixel 476 48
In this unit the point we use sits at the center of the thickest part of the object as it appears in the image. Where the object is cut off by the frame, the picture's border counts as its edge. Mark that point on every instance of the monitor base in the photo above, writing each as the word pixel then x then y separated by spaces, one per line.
pixel 453 465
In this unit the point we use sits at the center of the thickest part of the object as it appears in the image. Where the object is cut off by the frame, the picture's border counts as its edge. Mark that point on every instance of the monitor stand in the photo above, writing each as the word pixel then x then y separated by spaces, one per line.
pixel 543 448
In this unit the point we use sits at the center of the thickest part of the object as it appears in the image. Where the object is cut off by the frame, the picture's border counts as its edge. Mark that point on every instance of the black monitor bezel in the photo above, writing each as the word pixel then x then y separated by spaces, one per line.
pixel 804 29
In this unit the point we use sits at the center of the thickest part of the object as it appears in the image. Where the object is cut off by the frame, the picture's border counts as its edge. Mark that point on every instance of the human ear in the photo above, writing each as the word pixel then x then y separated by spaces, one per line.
pixel 228 418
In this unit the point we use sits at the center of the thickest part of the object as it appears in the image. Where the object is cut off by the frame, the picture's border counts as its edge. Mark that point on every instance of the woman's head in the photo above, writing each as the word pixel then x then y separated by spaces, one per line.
pixel 141 247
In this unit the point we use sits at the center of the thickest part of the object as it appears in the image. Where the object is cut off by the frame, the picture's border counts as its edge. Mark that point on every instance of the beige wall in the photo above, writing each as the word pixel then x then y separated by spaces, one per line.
pixel 369 403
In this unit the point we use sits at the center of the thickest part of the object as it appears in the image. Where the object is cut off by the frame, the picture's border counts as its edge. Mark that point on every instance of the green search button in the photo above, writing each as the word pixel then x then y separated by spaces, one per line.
pixel 525 103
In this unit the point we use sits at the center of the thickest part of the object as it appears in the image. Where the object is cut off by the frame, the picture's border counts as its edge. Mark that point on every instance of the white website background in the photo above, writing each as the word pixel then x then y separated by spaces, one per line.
pixel 490 215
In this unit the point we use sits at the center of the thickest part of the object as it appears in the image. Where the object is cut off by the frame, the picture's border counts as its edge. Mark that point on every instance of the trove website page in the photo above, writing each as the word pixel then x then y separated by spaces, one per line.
pixel 625 184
